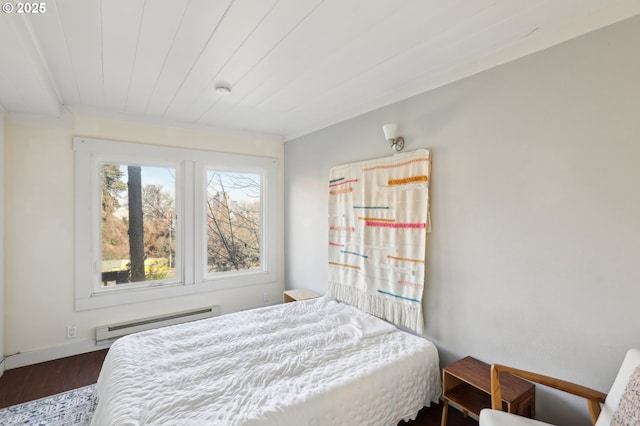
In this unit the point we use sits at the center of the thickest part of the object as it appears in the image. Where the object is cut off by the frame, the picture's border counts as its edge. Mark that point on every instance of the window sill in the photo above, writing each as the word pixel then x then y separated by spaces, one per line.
pixel 157 292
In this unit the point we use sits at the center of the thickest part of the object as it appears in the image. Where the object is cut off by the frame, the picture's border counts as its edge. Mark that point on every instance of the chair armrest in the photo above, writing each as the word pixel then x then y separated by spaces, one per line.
pixel 594 398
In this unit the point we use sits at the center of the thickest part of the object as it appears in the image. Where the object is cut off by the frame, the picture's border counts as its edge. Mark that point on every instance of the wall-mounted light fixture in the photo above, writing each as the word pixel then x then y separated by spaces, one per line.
pixel 391 134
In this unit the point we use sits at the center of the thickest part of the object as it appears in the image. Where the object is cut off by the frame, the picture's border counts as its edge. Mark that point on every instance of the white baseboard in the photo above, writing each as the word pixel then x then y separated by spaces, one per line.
pixel 48 354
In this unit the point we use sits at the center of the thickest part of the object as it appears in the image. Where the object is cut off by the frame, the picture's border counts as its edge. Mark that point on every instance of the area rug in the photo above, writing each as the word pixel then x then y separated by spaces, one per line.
pixel 72 408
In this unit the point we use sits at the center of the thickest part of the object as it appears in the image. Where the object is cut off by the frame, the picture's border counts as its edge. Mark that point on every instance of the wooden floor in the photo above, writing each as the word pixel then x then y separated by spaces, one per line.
pixel 39 380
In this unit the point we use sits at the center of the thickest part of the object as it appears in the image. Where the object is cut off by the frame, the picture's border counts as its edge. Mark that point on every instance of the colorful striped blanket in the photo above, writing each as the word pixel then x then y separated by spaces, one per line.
pixel 378 220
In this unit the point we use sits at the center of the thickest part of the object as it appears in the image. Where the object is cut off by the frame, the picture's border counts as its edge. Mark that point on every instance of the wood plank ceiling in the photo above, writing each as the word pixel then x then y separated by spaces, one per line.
pixel 294 66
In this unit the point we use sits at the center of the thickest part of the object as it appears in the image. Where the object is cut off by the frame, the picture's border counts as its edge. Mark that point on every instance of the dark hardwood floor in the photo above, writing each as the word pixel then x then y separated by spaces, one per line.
pixel 48 378
pixel 39 380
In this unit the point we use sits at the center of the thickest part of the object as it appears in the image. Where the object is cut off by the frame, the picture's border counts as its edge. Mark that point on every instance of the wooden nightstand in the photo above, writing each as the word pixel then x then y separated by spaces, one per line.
pixel 467 385
pixel 299 294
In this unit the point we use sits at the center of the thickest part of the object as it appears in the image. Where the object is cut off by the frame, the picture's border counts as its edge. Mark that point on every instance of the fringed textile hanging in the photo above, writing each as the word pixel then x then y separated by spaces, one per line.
pixel 378 220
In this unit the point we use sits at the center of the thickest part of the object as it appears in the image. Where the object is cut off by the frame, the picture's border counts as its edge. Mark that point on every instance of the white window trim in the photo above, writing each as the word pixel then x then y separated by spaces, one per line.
pixel 192 175
pixel 97 161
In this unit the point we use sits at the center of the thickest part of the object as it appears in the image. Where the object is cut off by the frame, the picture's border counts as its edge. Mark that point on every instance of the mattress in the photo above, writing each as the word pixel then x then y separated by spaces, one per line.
pixel 315 362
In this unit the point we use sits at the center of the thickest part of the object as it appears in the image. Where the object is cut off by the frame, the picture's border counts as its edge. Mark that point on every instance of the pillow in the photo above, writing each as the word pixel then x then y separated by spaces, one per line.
pixel 628 411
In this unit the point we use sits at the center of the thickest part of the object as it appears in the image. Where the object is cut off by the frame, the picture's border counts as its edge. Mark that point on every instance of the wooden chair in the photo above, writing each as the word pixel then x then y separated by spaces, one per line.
pixel 600 415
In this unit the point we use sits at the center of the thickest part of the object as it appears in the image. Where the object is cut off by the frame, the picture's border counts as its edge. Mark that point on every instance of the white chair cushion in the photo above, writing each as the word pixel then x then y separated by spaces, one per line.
pixel 628 411
pixel 489 417
pixel 631 361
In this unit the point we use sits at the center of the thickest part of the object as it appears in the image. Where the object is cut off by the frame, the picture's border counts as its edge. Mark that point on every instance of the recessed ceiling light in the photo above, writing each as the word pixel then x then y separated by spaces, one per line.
pixel 223 89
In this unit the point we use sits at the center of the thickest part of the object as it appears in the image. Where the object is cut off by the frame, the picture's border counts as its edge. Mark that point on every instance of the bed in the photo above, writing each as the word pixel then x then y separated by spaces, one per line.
pixel 314 362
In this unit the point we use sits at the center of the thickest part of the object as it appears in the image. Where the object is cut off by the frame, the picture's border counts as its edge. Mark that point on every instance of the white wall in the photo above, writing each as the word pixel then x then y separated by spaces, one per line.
pixel 39 234
pixel 535 208
pixel 2 247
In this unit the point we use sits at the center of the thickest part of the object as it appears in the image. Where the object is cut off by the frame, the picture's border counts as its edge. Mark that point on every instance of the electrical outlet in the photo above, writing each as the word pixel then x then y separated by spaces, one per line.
pixel 265 296
pixel 71 332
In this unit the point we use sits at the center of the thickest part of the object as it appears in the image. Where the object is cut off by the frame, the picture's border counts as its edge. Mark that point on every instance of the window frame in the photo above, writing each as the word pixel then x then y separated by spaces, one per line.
pixel 122 159
pixel 191 170
pixel 201 268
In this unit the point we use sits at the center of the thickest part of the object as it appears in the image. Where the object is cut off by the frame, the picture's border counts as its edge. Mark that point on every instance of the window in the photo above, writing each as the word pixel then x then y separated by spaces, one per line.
pixel 233 222
pixel 137 224
pixel 155 222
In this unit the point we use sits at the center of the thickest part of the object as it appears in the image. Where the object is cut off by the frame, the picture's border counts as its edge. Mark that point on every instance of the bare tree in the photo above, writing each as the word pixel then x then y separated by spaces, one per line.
pixel 233 225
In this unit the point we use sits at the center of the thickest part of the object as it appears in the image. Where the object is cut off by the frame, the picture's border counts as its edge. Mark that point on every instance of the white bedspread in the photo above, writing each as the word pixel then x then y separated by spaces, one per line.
pixel 315 362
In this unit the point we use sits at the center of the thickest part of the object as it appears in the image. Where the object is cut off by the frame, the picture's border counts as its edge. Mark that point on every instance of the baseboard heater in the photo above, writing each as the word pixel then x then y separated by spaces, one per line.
pixel 109 333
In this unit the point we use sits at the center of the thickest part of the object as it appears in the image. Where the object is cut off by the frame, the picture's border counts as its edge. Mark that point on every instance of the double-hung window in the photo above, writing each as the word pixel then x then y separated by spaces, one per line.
pixel 155 222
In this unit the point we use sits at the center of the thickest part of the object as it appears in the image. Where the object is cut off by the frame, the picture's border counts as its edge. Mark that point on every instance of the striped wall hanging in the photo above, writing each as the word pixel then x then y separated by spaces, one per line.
pixel 378 224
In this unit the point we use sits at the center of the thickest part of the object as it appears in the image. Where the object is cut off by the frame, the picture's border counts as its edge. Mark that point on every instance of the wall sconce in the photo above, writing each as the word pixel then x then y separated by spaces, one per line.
pixel 391 134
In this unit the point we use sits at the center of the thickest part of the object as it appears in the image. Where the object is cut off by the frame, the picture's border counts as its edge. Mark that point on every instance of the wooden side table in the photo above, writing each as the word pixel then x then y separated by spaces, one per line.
pixel 299 294
pixel 467 384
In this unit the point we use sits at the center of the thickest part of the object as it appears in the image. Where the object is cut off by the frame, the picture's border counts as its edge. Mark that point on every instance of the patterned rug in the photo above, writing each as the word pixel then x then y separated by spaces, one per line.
pixel 72 408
